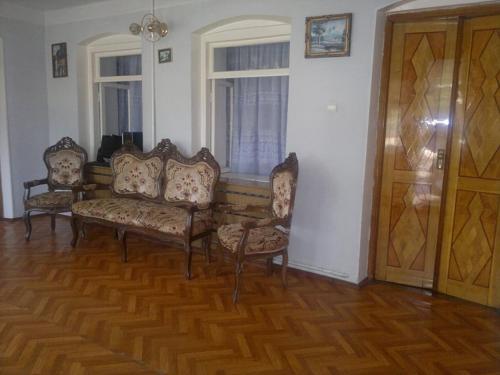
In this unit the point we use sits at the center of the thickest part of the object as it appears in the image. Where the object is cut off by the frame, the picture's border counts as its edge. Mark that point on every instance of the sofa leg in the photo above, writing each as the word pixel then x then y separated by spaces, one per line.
pixel 75 230
pixel 53 222
pixel 122 237
pixel 27 223
pixel 188 259
pixel 237 280
pixel 269 266
pixel 206 247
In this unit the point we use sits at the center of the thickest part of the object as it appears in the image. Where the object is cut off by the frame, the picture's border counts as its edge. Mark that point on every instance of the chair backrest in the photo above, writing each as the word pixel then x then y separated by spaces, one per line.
pixel 283 187
pixel 191 179
pixel 65 163
pixel 137 174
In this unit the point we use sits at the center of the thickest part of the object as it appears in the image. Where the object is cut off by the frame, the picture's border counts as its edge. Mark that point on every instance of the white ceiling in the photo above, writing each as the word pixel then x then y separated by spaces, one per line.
pixel 52 4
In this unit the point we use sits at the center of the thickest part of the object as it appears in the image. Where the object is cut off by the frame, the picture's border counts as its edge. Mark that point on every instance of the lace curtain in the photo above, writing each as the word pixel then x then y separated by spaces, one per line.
pixel 260 108
pixel 124 67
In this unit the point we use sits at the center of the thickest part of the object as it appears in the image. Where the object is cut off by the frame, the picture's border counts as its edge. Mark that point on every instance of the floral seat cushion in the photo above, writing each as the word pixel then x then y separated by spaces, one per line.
pixel 140 213
pixel 50 200
pixel 260 240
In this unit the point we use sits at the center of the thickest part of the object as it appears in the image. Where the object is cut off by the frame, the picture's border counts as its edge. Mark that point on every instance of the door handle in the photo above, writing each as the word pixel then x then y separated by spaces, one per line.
pixel 440 159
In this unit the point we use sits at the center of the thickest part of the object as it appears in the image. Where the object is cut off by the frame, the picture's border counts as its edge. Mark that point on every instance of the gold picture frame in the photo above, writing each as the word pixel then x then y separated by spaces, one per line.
pixel 328 36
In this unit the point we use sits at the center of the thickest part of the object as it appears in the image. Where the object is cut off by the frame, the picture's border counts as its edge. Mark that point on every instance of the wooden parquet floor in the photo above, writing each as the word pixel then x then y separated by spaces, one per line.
pixel 83 311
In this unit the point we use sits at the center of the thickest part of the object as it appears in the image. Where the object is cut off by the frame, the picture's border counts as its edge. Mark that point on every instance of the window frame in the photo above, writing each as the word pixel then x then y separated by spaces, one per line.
pixel 237 34
pixel 107 48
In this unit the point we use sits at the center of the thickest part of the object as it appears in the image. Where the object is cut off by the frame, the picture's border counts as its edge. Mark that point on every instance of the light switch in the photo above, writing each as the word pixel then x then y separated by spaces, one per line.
pixel 332 107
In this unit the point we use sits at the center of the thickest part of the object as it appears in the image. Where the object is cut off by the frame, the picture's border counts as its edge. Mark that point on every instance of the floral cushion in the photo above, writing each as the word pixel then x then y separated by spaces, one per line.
pixel 57 199
pixel 65 168
pixel 192 183
pixel 132 175
pixel 140 213
pixel 282 193
pixel 260 240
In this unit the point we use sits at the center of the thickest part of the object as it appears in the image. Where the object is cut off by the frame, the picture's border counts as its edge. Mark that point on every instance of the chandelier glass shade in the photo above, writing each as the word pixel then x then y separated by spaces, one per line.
pixel 151 28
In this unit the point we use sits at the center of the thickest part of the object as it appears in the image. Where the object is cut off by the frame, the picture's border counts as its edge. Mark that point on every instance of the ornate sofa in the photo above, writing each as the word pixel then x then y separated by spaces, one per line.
pixel 160 194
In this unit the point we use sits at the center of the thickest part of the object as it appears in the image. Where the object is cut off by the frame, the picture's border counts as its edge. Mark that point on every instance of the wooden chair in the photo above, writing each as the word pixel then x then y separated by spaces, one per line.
pixel 264 238
pixel 65 162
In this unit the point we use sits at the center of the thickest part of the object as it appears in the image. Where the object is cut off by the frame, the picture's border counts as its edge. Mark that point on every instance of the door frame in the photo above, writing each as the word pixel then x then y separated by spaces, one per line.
pixel 6 206
pixel 460 12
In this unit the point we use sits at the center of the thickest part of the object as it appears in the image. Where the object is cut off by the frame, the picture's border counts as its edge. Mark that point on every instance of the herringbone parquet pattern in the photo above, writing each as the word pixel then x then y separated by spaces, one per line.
pixel 83 311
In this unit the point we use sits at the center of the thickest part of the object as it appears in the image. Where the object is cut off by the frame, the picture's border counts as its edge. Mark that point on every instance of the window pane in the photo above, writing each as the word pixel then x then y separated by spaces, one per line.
pixel 259 56
pixel 250 123
pixel 121 107
pixel 120 66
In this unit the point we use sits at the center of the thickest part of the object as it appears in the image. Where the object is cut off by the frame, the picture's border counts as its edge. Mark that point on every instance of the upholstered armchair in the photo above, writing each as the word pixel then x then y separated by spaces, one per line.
pixel 65 163
pixel 264 238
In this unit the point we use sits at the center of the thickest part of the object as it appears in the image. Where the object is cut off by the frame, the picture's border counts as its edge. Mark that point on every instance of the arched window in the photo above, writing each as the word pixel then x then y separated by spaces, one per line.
pixel 245 70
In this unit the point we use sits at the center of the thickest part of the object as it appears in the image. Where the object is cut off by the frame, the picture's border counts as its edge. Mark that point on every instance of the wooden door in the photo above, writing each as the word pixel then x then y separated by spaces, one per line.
pixel 418 108
pixel 470 259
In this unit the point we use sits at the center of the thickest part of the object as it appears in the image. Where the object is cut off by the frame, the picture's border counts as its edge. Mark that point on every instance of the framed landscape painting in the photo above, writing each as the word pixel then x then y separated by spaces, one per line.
pixel 328 36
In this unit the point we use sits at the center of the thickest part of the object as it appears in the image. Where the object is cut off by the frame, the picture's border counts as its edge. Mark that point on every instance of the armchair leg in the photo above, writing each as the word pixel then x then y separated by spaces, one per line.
pixel 27 223
pixel 122 237
pixel 53 222
pixel 237 281
pixel 283 269
pixel 187 261
pixel 269 266
pixel 76 231
pixel 206 247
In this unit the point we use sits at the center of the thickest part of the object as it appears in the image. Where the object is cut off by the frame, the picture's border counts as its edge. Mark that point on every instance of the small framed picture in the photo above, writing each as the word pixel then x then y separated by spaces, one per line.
pixel 165 55
pixel 59 60
pixel 328 36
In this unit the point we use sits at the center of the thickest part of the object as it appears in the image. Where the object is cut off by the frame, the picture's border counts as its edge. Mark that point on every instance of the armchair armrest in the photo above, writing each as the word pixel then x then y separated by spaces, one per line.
pixel 267 222
pixel 29 184
pixel 192 207
pixel 33 183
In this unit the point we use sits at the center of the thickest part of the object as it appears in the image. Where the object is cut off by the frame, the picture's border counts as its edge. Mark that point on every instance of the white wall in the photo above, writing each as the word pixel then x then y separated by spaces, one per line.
pixel 27 115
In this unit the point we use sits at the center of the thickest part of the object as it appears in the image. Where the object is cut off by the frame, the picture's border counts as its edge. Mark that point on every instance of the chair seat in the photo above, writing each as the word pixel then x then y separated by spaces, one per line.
pixel 143 214
pixel 260 240
pixel 51 200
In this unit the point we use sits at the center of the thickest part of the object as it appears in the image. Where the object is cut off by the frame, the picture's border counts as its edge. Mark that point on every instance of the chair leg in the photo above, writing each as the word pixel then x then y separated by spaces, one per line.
pixel 269 266
pixel 27 223
pixel 187 261
pixel 122 237
pixel 76 231
pixel 206 241
pixel 237 280
pixel 283 269
pixel 53 222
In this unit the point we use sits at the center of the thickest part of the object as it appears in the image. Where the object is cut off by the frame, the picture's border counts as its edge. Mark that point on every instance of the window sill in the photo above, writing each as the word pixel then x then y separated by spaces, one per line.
pixel 244 179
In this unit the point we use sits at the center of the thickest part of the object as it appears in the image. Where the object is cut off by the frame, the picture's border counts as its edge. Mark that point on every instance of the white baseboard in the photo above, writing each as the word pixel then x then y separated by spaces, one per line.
pixel 315 269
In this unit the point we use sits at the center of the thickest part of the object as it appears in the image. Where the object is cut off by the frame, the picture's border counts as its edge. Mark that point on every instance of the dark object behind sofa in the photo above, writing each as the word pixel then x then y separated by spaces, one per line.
pixel 109 144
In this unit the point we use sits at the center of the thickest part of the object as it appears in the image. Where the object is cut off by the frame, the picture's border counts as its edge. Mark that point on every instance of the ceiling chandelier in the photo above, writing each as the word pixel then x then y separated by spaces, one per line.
pixel 151 28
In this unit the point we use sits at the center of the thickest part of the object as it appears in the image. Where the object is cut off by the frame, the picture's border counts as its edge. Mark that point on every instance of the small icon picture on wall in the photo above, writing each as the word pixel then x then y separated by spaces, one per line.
pixel 165 55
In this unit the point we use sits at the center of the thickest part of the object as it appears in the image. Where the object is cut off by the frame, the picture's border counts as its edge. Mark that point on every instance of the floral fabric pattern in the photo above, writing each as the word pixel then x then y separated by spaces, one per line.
pixel 132 175
pixel 260 240
pixel 282 193
pixel 53 199
pixel 140 213
pixel 192 183
pixel 65 168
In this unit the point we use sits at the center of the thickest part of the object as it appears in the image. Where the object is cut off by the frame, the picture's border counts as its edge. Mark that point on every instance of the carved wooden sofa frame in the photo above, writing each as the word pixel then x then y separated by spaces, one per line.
pixel 166 151
pixel 54 183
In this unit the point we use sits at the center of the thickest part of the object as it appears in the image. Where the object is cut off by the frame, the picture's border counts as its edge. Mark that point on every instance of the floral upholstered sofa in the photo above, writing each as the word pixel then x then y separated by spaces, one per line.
pixel 160 194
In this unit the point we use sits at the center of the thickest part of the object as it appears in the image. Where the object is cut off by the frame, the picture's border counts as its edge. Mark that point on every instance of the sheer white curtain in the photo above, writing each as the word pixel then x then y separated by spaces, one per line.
pixel 259 109
pixel 124 67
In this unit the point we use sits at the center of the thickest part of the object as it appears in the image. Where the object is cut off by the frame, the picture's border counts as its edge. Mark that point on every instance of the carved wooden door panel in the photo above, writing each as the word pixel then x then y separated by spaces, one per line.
pixel 418 108
pixel 470 259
